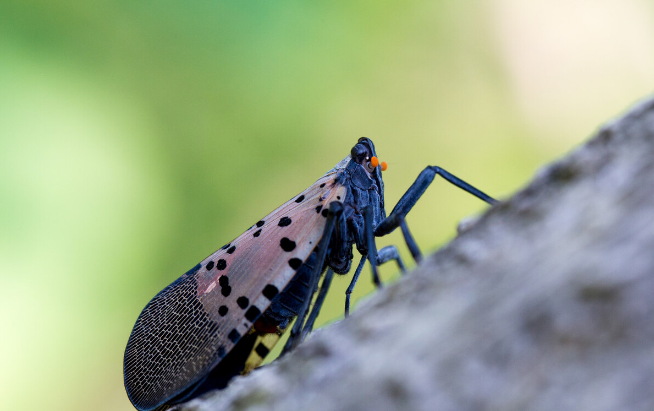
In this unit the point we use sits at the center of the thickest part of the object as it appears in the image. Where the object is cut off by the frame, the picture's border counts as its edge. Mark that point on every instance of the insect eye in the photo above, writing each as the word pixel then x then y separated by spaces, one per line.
pixel 359 153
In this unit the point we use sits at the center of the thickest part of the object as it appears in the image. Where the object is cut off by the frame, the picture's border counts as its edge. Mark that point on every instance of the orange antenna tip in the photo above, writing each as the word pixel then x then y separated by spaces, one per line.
pixel 374 162
pixel 384 166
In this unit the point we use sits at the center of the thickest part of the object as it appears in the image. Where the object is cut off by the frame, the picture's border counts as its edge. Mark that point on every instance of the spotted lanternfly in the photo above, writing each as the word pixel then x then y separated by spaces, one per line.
pixel 222 317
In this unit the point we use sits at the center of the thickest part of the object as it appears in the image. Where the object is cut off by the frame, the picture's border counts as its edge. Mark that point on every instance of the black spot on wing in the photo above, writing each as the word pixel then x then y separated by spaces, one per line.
pixel 262 350
pixel 223 310
pixel 270 291
pixel 322 185
pixel 243 302
pixel 231 249
pixel 287 245
pixel 295 263
pixel 299 199
pixel 318 208
pixel 209 265
pixel 234 335
pixel 226 291
pixel 256 233
pixel 221 264
pixel 284 221
pixel 225 246
pixel 260 223
pixel 252 313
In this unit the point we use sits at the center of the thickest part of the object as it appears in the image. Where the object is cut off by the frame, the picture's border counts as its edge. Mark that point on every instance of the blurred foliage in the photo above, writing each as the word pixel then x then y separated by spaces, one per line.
pixel 137 137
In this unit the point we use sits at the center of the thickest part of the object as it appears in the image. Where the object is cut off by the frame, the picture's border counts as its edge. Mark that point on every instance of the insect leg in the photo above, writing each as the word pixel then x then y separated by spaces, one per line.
pixel 324 287
pixel 390 253
pixel 349 290
pixel 410 242
pixel 295 337
pixel 384 255
pixel 370 243
pixel 413 194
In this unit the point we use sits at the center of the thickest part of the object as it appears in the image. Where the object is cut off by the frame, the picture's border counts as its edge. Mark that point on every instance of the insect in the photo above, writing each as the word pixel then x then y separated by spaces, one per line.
pixel 222 317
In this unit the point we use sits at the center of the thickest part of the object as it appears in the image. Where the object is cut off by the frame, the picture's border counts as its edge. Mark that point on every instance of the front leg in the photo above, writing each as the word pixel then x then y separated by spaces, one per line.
pixel 413 194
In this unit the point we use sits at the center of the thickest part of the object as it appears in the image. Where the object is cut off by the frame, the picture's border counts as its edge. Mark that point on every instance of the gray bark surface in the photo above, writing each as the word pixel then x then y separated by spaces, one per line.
pixel 546 302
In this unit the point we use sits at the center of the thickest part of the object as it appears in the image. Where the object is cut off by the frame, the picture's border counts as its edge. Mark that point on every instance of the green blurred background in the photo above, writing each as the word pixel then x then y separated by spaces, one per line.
pixel 138 137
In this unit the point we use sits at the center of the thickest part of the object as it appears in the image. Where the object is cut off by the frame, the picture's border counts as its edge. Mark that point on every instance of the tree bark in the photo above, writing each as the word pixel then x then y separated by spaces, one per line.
pixel 545 302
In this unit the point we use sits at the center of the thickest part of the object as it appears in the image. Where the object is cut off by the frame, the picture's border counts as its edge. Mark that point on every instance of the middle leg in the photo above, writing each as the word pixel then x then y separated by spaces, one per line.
pixel 386 254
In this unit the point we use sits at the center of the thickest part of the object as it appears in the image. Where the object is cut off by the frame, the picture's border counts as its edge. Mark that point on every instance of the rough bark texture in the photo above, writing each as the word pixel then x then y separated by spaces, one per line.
pixel 546 302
